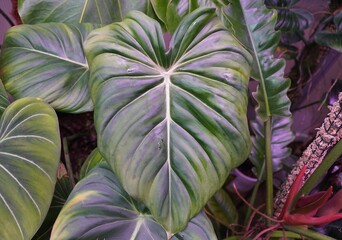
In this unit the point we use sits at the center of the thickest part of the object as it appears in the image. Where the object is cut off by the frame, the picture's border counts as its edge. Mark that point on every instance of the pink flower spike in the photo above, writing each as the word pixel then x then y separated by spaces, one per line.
pixel 300 219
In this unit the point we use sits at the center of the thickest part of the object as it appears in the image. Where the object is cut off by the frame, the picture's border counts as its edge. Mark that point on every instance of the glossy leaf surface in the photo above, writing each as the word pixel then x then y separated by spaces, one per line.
pixel 253 24
pixel 99 208
pixel 29 156
pixel 80 11
pixel 47 61
pixel 170 125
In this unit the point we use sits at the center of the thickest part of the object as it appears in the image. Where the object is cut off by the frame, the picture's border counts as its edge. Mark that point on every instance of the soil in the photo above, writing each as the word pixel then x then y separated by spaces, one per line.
pixel 79 131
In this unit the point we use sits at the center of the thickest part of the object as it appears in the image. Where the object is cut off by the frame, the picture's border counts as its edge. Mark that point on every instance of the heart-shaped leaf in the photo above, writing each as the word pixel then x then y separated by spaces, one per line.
pixel 171 125
pixel 47 61
pixel 99 208
pixel 80 11
pixel 29 156
pixel 253 24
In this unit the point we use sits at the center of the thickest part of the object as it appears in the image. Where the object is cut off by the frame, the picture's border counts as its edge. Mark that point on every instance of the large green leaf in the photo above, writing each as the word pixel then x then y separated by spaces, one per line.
pixel 332 39
pixel 289 18
pixel 281 137
pixel 99 208
pixel 172 12
pixel 80 11
pixel 171 125
pixel 4 102
pixel 29 156
pixel 253 24
pixel 47 61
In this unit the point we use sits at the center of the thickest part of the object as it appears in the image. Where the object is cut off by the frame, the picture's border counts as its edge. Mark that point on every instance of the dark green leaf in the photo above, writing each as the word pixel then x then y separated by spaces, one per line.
pixel 47 61
pixel 80 11
pixel 290 19
pixel 99 208
pixel 172 125
pixel 93 159
pixel 332 39
pixel 30 151
pixel 223 208
pixel 253 24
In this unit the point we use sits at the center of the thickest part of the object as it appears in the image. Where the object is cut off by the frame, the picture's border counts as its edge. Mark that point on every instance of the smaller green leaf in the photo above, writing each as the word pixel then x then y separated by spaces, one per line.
pixel 47 61
pixel 223 208
pixel 4 102
pixel 253 24
pixel 99 208
pixel 92 160
pixel 62 190
pixel 172 12
pixel 332 39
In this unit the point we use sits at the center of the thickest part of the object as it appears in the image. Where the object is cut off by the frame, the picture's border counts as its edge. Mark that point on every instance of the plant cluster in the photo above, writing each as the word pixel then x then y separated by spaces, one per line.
pixel 170 117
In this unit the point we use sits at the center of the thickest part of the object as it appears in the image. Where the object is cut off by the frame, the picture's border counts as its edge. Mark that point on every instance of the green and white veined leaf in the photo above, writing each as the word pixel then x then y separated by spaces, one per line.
pixel 171 125
pixel 47 61
pixel 29 156
pixel 99 208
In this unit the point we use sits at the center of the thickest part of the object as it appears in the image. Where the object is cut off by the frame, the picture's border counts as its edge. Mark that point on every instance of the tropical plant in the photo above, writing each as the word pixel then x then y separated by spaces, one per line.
pixel 170 116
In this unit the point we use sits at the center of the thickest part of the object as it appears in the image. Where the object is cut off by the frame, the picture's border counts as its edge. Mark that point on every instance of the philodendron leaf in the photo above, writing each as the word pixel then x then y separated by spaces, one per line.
pixel 253 24
pixel 332 39
pixel 171 125
pixel 281 137
pixel 93 159
pixel 172 12
pixel 4 102
pixel 29 156
pixel 80 11
pixel 289 18
pixel 47 61
pixel 99 208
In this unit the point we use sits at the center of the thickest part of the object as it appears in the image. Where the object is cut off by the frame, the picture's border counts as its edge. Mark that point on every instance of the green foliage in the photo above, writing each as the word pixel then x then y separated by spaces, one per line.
pixel 80 11
pixel 182 143
pixel 99 208
pixel 30 151
pixel 47 61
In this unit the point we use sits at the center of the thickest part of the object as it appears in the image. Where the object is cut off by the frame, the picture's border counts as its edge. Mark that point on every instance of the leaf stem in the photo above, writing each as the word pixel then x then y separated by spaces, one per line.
pixel 67 161
pixel 254 193
pixel 269 167
pixel 308 233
